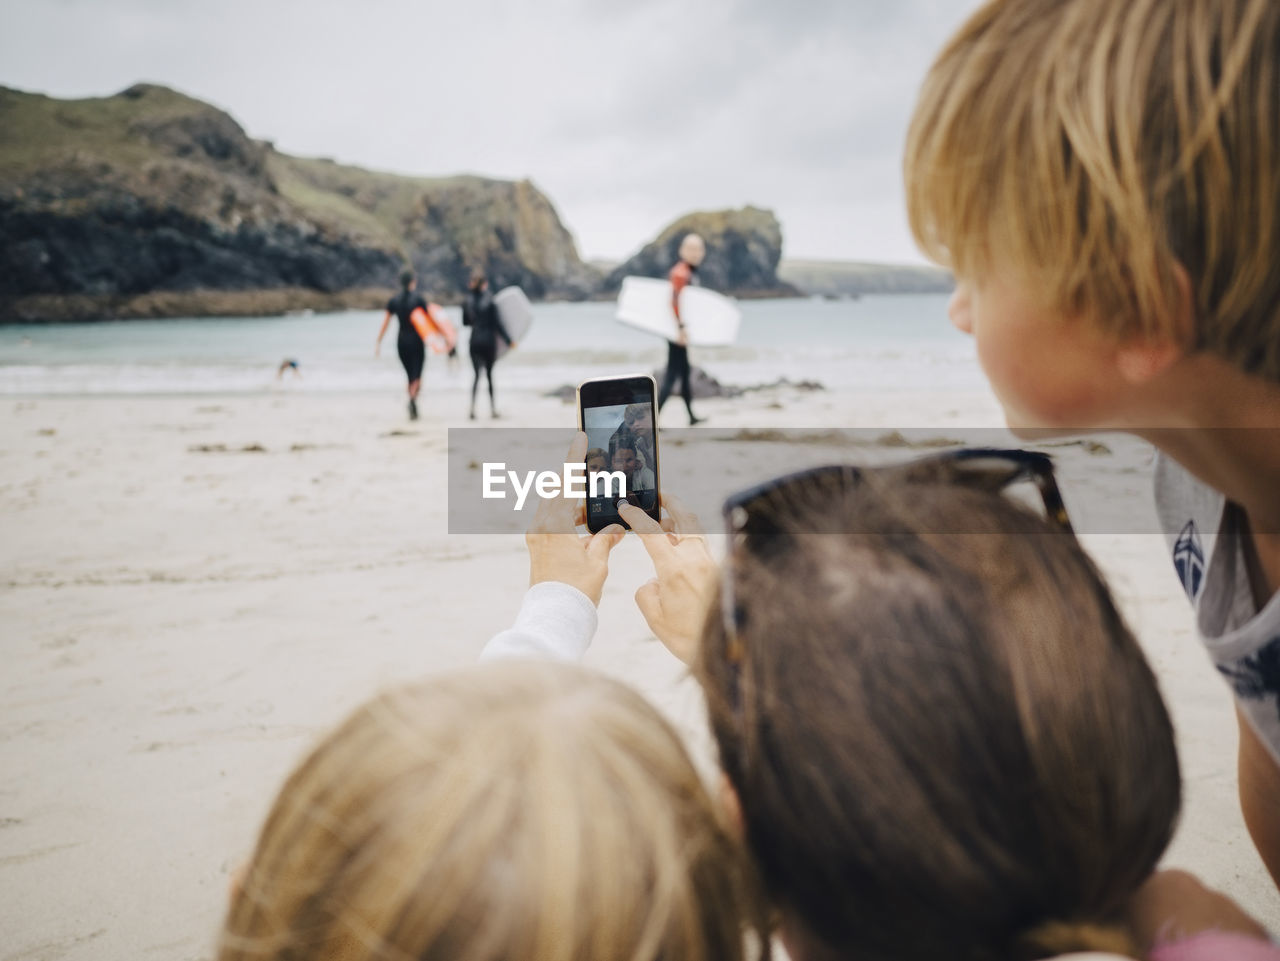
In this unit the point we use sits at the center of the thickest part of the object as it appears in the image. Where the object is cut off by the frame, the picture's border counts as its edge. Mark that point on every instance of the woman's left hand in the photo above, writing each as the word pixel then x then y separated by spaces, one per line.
pixel 557 552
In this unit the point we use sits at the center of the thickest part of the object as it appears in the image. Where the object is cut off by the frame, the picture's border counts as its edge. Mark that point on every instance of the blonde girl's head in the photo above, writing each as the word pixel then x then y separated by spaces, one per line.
pixel 515 810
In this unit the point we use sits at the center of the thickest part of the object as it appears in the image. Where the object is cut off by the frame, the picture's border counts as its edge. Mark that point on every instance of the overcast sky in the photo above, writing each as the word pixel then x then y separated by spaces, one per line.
pixel 627 113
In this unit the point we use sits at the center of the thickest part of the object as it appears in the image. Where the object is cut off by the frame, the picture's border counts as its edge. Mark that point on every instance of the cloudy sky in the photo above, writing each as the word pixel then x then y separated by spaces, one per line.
pixel 627 114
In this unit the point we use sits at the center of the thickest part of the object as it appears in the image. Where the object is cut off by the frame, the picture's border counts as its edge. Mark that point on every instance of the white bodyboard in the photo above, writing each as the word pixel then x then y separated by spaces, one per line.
pixel 710 319
pixel 516 313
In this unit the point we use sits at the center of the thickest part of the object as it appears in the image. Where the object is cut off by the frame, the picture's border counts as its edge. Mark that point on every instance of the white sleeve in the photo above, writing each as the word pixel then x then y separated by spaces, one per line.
pixel 556 621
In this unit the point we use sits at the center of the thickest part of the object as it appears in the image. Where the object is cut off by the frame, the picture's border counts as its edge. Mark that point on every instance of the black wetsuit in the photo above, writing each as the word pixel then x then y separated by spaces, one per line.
pixel 412 350
pixel 677 369
pixel 481 314
pixel 678 363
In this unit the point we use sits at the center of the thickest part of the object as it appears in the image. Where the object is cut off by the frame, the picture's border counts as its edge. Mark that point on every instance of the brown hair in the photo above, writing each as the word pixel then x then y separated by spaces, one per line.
pixel 1089 147
pixel 946 743
pixel 514 810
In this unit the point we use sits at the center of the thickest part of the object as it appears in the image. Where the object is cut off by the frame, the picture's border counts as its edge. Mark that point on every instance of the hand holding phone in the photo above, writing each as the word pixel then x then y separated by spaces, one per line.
pixel 557 553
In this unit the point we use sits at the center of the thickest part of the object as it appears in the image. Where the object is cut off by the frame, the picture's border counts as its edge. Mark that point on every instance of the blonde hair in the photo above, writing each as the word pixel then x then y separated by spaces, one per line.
pixel 1092 147
pixel 514 810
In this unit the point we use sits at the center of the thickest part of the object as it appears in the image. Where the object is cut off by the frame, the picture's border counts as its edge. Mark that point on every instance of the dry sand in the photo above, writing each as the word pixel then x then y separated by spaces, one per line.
pixel 192 589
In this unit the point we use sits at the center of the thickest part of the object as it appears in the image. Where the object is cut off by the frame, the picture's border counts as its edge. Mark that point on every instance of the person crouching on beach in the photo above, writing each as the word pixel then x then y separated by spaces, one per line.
pixel 940 737
pixel 943 739
pixel 1103 179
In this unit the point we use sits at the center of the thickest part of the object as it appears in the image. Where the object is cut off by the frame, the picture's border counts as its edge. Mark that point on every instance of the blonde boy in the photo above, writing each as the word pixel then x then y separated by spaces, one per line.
pixel 1103 176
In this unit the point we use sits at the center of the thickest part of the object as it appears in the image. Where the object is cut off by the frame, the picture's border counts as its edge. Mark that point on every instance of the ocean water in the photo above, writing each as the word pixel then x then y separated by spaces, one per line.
pixel 887 343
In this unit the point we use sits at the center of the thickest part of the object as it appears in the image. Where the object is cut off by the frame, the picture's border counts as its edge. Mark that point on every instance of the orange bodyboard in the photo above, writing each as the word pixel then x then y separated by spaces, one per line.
pixel 441 335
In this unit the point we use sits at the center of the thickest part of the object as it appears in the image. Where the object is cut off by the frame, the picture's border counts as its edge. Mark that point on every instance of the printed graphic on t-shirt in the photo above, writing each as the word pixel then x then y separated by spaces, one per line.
pixel 1188 559
pixel 1256 676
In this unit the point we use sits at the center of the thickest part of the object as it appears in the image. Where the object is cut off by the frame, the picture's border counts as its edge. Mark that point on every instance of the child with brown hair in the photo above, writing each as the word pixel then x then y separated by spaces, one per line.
pixel 1104 180
pixel 514 810
pixel 943 739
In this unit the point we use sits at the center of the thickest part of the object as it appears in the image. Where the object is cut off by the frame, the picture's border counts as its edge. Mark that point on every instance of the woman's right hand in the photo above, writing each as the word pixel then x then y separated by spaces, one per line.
pixel 675 603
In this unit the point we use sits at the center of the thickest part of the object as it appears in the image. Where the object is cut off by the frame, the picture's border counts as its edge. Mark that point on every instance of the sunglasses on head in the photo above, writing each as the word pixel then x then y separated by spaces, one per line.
pixel 757 516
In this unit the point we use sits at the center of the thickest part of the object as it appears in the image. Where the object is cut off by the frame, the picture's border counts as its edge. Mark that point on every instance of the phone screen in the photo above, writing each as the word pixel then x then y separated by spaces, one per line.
pixel 617 414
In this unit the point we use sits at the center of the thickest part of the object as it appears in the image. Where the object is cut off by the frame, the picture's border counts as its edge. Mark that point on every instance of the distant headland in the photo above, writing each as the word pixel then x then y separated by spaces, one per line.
pixel 150 203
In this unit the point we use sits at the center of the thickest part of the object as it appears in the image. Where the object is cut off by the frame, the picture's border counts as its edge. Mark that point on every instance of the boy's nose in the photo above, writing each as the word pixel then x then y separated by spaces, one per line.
pixel 959 309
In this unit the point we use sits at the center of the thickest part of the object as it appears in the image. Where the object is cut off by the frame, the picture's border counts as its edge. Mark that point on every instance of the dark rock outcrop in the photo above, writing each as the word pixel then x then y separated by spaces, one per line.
pixel 704 385
pixel 743 250
pixel 150 201
pixel 835 279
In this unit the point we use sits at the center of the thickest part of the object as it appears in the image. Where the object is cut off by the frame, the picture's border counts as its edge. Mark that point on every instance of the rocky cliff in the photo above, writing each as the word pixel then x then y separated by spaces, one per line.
pixel 151 203
pixel 743 250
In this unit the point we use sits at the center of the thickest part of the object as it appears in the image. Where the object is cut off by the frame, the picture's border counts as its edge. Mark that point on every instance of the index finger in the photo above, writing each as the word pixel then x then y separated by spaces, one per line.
pixel 685 520
pixel 650 532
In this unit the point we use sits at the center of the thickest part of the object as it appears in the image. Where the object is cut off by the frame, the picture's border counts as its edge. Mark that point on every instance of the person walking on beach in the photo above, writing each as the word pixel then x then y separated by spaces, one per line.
pixel 481 314
pixel 692 252
pixel 410 343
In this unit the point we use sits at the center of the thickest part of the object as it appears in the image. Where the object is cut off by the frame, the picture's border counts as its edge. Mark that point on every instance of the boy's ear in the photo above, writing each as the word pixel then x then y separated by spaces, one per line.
pixel 1144 357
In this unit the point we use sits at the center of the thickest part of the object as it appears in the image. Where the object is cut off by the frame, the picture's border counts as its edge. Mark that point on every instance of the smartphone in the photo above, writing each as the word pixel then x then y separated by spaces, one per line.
pixel 618 414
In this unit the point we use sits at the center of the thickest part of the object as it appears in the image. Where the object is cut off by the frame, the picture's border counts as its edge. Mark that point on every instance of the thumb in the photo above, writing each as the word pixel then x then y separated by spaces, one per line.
pixel 649 601
pixel 604 541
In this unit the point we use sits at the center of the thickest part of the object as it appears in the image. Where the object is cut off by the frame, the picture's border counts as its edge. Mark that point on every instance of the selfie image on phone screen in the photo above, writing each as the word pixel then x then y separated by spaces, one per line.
pixel 617 415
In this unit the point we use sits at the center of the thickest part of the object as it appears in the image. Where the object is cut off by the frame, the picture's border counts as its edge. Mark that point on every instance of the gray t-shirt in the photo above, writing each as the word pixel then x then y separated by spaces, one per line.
pixel 1243 641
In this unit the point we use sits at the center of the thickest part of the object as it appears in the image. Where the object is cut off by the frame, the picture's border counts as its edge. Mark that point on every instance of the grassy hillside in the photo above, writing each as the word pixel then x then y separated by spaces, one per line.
pixel 363 201
pixel 107 203
pixel 36 130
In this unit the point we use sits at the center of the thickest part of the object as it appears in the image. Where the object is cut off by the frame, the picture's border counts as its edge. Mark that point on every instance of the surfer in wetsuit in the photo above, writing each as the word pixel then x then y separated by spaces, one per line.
pixel 692 251
pixel 481 314
pixel 409 341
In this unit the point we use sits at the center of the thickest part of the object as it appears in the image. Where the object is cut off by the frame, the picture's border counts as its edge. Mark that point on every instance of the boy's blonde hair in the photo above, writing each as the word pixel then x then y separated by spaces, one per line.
pixel 1090 146
pixel 515 810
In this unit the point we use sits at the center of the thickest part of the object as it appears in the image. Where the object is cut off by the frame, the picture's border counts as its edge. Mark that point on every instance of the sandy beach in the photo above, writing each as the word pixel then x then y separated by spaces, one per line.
pixel 192 588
